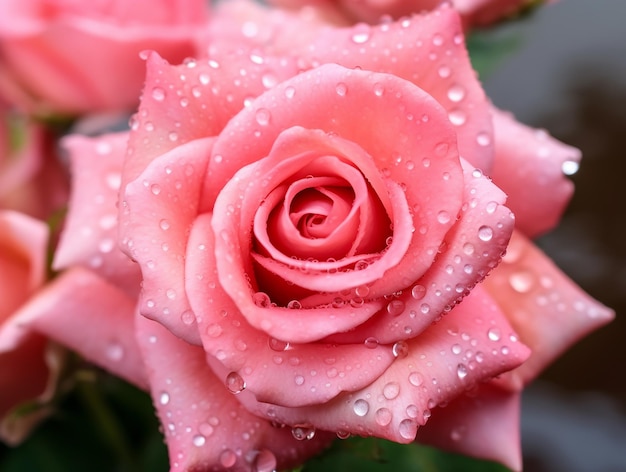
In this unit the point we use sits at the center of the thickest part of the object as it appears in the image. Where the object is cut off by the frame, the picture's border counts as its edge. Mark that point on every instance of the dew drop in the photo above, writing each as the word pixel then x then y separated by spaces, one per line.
pixel 416 379
pixel 158 94
pixel 361 407
pixel 395 307
pixel 290 92
pixel 522 281
pixel 483 139
pixel 187 317
pixel 379 90
pixel 198 440
pixel 443 217
pixel 361 37
pixel 261 299
pixel 164 398
pixel 303 432
pixel 461 371
pixel 214 330
pixel 391 390
pixel 418 292
pixel 263 116
pixel 493 334
pixel 371 343
pixel 341 89
pixel 278 345
pixel 569 167
pixel 383 416
pixel 228 458
pixel 457 117
pixel 407 429
pixel 235 383
pixel 264 461
pixel 400 349
pixel 485 233
pixel 456 93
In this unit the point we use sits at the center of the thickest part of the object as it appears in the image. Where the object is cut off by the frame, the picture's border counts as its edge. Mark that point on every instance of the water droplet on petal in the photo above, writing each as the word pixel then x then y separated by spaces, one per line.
pixel 235 383
pixel 115 351
pixel 395 307
pixel 456 93
pixel 461 371
pixel 264 461
pixel 158 94
pixel 164 398
pixel 569 167
pixel 416 379
pixel 341 89
pixel 303 432
pixel 494 334
pixel 400 349
pixel 228 458
pixel 278 345
pixel 418 292
pixel 261 299
pixel 198 440
pixel 263 116
pixel 522 281
pixel 383 416
pixel 371 343
pixel 361 407
pixel 485 233
pixel 408 429
pixel 391 390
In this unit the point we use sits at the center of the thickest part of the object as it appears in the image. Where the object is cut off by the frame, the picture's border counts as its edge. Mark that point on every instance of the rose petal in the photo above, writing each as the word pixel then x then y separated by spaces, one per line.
pixel 433 56
pixel 482 423
pixel 89 237
pixel 23 244
pixel 89 315
pixel 204 424
pixel 160 205
pixel 317 371
pixel 548 310
pixel 449 358
pixel 429 186
pixel 203 95
pixel 532 167
pixel 470 250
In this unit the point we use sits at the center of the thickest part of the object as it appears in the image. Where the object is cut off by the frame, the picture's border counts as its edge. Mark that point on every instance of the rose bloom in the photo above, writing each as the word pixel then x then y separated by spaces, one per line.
pixel 32 179
pixel 473 12
pixel 312 217
pixel 74 57
pixel 25 368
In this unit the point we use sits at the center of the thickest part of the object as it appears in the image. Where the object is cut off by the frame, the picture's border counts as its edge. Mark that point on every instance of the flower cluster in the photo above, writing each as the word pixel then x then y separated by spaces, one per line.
pixel 311 228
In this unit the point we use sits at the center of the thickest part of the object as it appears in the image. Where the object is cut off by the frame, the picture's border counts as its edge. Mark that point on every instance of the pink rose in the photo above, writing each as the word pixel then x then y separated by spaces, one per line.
pixel 24 373
pixel 74 57
pixel 307 240
pixel 32 179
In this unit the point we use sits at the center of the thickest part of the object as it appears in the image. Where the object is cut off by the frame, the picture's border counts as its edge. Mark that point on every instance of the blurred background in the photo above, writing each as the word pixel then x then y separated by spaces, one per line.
pixel 568 74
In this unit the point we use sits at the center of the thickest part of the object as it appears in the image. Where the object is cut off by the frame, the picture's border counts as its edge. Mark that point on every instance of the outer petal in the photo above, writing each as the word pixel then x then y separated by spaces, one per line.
pixel 548 310
pixel 87 314
pixel 89 237
pixel 199 96
pixel 205 427
pixel 484 423
pixel 275 371
pixel 471 344
pixel 531 167
pixel 160 207
pixel 427 50
pixel 472 248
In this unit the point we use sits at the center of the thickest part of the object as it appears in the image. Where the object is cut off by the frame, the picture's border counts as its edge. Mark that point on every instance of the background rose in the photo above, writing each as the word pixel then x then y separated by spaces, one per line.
pixel 59 56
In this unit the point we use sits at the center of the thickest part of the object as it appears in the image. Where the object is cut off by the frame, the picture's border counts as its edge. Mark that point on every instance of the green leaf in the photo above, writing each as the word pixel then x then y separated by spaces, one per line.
pixel 378 455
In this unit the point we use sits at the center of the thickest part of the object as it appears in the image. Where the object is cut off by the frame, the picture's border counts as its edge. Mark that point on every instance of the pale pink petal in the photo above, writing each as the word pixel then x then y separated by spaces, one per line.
pixel 451 357
pixel 548 310
pixel 314 372
pixel 199 96
pixel 433 56
pixel 23 245
pixel 204 424
pixel 482 423
pixel 470 250
pixel 87 314
pixel 160 206
pixel 89 236
pixel 532 167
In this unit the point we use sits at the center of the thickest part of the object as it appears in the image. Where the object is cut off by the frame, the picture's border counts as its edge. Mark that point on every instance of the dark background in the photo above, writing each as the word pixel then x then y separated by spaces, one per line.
pixel 568 75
